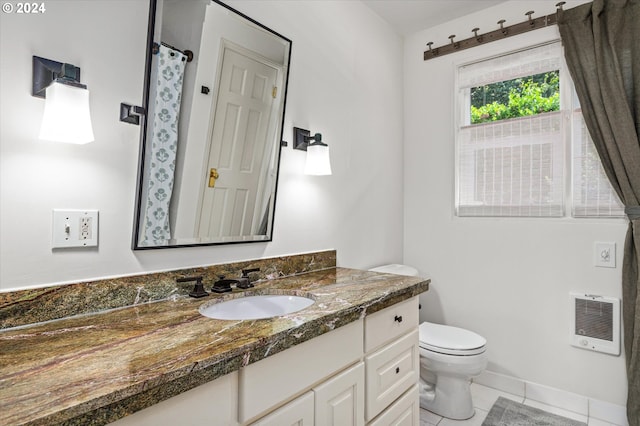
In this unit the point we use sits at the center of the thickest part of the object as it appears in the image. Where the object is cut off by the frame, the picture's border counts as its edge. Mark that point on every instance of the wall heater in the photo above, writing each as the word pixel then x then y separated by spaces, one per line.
pixel 595 323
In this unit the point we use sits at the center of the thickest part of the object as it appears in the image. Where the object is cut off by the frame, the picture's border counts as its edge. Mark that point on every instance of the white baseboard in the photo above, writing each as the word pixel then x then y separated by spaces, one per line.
pixel 501 382
pixel 593 408
pixel 602 410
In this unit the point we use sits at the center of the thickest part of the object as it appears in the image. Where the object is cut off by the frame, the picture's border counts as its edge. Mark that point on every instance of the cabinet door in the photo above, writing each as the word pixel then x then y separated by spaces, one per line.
pixel 390 372
pixel 298 412
pixel 404 412
pixel 340 400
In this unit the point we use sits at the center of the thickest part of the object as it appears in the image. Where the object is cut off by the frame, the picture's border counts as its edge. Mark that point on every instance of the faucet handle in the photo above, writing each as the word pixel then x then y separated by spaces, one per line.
pixel 196 278
pixel 198 288
pixel 244 281
pixel 246 272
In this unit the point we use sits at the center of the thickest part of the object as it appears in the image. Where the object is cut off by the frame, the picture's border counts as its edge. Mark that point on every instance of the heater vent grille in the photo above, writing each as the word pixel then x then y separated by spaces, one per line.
pixel 594 319
pixel 596 323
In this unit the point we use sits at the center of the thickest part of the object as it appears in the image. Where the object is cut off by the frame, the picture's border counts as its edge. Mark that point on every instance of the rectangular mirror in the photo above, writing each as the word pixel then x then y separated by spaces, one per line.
pixel 215 95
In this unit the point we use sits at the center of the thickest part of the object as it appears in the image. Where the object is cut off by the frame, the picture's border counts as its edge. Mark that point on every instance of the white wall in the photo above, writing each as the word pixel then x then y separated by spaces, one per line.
pixel 346 82
pixel 507 279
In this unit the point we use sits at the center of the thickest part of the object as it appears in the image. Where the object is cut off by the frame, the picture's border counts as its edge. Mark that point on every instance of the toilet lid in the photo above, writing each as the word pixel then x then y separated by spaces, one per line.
pixel 397 269
pixel 450 340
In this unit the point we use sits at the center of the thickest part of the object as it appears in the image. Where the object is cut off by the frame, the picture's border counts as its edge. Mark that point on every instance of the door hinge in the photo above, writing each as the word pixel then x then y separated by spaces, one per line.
pixel 274 92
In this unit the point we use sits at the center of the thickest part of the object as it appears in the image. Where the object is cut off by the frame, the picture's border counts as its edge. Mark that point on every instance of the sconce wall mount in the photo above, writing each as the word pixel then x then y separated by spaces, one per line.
pixel 46 71
pixel 131 113
pixel 318 162
pixel 301 138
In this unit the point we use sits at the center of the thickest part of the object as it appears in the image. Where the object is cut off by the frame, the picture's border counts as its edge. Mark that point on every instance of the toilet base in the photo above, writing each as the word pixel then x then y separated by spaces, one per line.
pixel 450 397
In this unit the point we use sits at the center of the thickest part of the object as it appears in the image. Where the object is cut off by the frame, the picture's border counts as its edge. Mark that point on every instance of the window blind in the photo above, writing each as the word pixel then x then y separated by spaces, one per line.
pixel 532 61
pixel 592 193
pixel 512 167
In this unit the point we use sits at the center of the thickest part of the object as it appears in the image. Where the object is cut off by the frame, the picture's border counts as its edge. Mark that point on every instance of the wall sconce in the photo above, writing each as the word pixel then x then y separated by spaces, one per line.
pixel 66 117
pixel 318 161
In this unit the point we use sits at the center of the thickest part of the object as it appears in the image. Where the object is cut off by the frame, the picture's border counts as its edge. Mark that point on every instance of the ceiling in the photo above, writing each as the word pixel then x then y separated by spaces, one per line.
pixel 408 16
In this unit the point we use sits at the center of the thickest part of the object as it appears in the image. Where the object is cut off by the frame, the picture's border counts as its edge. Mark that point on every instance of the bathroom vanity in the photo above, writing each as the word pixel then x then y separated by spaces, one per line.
pixel 329 380
pixel 350 358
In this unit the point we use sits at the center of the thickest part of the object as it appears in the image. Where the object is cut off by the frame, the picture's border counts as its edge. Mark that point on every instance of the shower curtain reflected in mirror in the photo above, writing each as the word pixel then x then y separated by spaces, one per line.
pixel 166 95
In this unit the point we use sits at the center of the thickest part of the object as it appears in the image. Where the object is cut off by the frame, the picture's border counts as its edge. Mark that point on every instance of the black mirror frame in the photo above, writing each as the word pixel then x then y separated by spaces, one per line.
pixel 144 124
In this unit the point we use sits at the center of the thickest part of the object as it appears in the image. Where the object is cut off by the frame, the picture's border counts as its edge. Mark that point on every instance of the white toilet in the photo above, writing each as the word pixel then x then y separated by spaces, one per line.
pixel 449 358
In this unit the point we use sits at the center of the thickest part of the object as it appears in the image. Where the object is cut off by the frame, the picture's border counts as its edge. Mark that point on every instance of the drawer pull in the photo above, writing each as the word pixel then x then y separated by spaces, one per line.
pixel 398 318
pixel 397 370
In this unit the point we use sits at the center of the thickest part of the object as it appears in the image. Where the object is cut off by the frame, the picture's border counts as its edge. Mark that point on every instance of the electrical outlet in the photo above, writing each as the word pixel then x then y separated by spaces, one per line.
pixel 604 255
pixel 74 228
pixel 86 222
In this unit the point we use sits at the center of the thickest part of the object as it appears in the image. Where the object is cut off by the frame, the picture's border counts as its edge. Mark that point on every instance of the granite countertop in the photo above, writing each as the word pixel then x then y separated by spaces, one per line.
pixel 95 368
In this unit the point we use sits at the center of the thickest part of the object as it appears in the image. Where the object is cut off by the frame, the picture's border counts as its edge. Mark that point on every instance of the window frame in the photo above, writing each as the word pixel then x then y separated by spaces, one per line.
pixel 462 114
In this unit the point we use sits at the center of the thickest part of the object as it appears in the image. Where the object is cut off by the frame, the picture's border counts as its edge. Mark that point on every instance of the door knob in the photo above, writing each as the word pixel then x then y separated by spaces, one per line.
pixel 213 175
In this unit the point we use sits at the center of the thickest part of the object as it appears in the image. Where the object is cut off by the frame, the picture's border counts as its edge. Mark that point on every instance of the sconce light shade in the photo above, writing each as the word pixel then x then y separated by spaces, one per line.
pixel 67 116
pixel 318 161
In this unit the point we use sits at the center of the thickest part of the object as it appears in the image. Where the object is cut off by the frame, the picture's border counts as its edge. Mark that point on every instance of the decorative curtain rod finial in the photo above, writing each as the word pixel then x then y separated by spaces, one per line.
pixel 454 44
pixel 531 21
pixel 501 23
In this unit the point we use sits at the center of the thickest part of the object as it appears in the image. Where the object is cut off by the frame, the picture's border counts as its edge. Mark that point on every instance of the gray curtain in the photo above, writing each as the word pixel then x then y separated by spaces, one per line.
pixel 602 48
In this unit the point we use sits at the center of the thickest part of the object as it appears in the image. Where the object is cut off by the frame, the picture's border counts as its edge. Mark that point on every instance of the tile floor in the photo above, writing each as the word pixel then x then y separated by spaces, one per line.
pixel 484 398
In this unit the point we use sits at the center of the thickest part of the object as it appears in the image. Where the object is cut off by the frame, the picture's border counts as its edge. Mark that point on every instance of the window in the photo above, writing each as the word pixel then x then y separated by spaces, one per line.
pixel 513 133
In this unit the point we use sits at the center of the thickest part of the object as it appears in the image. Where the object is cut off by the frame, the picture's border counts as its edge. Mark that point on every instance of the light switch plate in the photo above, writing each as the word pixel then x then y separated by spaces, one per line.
pixel 604 255
pixel 74 228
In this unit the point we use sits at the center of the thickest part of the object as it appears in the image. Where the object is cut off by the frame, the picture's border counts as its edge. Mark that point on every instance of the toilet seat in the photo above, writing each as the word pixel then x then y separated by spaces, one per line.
pixel 449 340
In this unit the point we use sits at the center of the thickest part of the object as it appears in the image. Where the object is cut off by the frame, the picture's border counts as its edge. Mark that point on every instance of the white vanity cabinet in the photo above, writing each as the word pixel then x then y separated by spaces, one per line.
pixel 380 389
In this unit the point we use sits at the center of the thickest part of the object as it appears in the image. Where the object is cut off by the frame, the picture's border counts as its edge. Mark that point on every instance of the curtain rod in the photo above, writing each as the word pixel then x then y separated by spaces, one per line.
pixel 499 34
pixel 187 53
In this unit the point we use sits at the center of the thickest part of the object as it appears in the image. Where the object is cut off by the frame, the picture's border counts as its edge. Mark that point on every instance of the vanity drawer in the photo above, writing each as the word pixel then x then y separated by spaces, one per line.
pixel 404 412
pixel 298 412
pixel 386 325
pixel 390 371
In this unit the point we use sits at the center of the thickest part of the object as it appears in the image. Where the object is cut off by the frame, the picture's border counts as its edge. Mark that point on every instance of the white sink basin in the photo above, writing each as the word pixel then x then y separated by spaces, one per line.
pixel 256 307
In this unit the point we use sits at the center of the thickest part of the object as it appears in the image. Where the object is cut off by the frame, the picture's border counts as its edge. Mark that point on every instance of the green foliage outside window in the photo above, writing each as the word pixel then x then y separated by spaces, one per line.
pixel 519 97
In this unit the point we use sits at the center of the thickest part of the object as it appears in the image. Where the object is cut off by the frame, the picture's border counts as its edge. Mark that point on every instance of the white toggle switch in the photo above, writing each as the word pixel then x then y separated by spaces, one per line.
pixel 74 228
pixel 605 255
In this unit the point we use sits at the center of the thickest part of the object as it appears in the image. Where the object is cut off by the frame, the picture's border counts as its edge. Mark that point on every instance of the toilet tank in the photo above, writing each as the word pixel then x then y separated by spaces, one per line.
pixel 396 268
